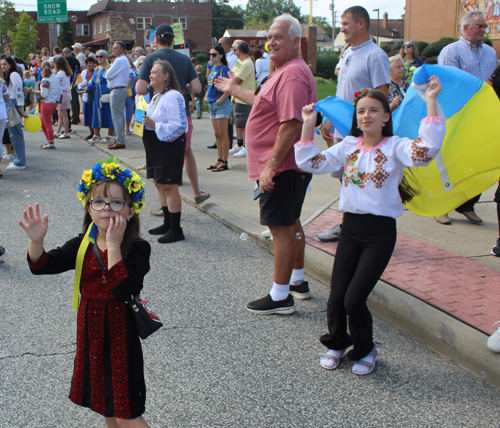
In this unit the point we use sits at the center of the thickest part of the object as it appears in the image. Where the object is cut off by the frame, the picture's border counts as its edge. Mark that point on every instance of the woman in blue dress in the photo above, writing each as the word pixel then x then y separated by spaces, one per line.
pixel 101 117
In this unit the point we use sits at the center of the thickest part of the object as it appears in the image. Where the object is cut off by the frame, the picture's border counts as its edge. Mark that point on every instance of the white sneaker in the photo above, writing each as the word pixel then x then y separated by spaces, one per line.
pixel 332 235
pixel 235 149
pixel 13 167
pixel 266 233
pixel 8 157
pixel 241 154
pixel 493 342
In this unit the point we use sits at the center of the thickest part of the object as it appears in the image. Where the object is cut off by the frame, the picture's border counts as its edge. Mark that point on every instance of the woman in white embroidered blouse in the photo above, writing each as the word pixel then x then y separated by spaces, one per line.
pixel 371 161
pixel 164 138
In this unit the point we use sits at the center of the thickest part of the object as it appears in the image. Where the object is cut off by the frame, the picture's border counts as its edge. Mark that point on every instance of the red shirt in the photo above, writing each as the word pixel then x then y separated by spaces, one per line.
pixel 281 99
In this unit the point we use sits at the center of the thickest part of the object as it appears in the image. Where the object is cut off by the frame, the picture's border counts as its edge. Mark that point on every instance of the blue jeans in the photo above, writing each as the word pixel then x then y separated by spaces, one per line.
pixel 129 108
pixel 17 139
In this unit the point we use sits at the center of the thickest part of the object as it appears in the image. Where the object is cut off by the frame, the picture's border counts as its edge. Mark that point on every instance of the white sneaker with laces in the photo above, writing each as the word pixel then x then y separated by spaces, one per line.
pixel 241 154
pixel 235 149
pixel 332 235
pixel 493 342
pixel 8 157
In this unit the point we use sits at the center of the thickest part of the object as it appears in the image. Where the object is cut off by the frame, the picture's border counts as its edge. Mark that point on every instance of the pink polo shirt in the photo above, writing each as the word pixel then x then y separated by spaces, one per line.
pixel 281 99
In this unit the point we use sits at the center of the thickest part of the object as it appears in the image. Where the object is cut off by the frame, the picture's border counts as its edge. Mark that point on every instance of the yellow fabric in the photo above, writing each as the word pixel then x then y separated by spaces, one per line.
pixel 142 104
pixel 246 72
pixel 78 267
pixel 471 153
pixel 129 92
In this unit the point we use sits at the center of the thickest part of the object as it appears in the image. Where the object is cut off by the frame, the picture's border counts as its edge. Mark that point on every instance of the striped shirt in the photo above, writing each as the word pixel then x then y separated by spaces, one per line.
pixel 479 61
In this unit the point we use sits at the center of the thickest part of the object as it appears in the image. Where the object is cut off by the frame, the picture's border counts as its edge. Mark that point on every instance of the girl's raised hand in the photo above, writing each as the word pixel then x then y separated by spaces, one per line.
pixel 34 225
pixel 116 230
pixel 309 115
pixel 433 89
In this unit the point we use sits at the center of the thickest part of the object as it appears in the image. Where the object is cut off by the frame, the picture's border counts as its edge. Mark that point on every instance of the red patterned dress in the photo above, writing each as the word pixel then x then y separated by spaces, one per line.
pixel 109 371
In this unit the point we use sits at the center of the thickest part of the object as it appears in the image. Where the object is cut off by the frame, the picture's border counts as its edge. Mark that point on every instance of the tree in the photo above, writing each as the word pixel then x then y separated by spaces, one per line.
pixel 225 17
pixel 322 22
pixel 66 38
pixel 24 37
pixel 273 8
pixel 8 21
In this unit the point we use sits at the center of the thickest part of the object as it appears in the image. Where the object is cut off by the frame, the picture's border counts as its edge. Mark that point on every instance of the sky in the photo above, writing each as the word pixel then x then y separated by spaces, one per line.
pixel 395 8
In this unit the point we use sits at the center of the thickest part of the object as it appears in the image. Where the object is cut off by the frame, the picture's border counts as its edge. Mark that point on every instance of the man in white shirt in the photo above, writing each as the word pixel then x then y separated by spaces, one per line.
pixel 118 76
pixel 79 55
pixel 231 58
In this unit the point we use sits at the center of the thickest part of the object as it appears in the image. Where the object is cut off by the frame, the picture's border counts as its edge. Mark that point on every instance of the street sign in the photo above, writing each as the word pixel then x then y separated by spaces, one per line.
pixel 52 11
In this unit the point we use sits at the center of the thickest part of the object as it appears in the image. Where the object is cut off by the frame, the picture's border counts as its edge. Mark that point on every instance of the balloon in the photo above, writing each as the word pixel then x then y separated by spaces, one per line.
pixel 32 124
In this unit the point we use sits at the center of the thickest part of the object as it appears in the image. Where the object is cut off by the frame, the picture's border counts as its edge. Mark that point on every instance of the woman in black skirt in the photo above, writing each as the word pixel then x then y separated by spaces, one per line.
pixel 164 138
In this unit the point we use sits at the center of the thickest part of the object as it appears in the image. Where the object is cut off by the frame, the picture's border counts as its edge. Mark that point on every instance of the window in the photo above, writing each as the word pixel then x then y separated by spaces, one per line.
pixel 93 29
pixel 182 20
pixel 83 30
pixel 107 25
pixel 100 26
pixel 143 22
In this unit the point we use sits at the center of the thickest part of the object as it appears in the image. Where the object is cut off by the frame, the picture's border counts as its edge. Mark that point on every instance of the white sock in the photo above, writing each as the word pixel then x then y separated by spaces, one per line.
pixel 279 291
pixel 297 276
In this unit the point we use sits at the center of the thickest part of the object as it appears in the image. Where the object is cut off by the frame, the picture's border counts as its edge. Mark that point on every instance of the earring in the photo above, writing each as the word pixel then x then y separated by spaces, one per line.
pixel 383 124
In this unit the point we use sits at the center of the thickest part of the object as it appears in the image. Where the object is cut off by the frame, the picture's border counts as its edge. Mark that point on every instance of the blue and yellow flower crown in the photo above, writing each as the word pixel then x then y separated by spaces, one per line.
pixel 112 169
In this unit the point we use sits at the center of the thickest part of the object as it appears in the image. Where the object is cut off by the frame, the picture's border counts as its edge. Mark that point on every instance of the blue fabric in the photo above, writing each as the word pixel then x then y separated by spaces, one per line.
pixel 17 139
pixel 338 111
pixel 212 93
pixel 101 115
pixel 129 108
pixel 88 113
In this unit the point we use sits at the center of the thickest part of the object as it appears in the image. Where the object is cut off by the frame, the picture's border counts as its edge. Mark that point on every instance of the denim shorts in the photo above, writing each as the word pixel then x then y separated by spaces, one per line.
pixel 222 111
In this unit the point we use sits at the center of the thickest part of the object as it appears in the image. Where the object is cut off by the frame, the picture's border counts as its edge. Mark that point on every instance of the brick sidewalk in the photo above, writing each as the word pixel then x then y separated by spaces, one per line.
pixel 465 289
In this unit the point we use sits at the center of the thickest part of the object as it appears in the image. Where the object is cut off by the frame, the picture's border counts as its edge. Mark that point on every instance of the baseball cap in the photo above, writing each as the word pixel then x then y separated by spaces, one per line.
pixel 164 30
pixel 77 45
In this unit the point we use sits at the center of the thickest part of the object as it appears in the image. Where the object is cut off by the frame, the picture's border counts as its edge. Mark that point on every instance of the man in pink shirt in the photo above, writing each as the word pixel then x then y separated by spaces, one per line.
pixel 272 129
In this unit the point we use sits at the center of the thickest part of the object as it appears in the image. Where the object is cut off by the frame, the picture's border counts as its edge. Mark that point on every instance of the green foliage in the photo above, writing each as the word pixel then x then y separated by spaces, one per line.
pixel 435 48
pixel 224 17
pixel 421 46
pixel 261 22
pixel 322 22
pixel 200 56
pixel 320 81
pixel 391 46
pixel 261 9
pixel 325 64
pixel 487 40
pixel 66 38
pixel 24 37
pixel 8 20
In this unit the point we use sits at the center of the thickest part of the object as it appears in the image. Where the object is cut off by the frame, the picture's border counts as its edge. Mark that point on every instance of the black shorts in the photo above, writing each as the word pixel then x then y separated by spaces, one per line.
pixel 164 160
pixel 240 114
pixel 282 205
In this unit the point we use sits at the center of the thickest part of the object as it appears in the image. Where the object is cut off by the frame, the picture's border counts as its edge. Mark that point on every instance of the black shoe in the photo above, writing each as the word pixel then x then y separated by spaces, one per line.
pixel 268 306
pixel 160 230
pixel 88 137
pixel 172 236
pixel 75 122
pixel 301 291
pixel 213 146
pixel 496 249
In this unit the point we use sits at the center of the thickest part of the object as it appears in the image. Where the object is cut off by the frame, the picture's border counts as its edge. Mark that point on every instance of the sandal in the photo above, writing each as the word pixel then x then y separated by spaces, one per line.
pixel 222 167
pixel 331 359
pixel 366 365
pixel 48 146
pixel 212 167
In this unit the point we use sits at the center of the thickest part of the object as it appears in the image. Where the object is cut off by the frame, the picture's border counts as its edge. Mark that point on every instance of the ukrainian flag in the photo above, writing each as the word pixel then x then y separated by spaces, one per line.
pixel 468 162
pixel 77 78
pixel 88 239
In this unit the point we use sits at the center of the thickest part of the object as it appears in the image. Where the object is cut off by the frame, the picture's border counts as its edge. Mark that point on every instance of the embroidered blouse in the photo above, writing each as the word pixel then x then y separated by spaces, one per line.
pixel 168 111
pixel 371 176
pixel 16 89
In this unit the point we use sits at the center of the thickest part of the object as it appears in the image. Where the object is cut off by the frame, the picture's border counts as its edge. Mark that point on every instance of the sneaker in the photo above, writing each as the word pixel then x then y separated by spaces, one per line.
pixel 241 154
pixel 172 236
pixel 13 167
pixel 496 249
pixel 157 213
pixel 3 253
pixel 160 230
pixel 493 342
pixel 301 291
pixel 266 233
pixel 63 137
pixel 366 365
pixel 235 149
pixel 332 235
pixel 267 306
pixel 203 197
pixel 8 157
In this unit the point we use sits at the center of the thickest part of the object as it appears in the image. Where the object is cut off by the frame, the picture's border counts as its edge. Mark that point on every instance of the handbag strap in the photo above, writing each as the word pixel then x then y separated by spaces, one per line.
pixel 98 257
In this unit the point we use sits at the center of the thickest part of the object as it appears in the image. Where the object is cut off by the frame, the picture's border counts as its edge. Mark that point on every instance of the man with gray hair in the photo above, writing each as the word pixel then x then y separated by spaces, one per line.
pixel 272 129
pixel 472 55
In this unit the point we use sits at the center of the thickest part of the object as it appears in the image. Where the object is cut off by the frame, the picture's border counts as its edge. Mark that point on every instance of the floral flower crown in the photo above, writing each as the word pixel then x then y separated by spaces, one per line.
pixel 357 95
pixel 112 169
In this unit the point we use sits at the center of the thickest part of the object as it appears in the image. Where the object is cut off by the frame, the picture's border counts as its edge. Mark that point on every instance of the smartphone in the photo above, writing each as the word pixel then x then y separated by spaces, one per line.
pixel 257 193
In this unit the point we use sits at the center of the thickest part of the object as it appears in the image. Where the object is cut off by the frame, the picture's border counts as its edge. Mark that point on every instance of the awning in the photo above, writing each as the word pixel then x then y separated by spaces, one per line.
pixel 97 42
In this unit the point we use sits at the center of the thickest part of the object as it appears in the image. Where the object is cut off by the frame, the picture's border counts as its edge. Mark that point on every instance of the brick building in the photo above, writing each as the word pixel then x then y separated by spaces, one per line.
pixel 429 20
pixel 108 21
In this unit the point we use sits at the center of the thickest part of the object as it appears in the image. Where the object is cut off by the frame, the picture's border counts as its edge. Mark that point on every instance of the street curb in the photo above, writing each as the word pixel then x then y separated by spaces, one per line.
pixel 442 332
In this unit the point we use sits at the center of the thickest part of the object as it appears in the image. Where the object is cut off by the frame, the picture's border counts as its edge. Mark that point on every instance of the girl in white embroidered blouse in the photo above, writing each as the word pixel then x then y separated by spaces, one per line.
pixel 370 162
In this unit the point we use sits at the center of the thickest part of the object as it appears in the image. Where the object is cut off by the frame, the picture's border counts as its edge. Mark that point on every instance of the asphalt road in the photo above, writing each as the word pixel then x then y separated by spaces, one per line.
pixel 213 364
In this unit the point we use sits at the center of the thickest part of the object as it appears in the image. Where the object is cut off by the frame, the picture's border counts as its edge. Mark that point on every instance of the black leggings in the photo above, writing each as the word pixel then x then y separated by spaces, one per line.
pixel 365 248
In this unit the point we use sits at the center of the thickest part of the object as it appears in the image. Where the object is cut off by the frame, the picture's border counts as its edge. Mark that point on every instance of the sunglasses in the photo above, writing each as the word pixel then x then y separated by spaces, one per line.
pixel 100 56
pixel 213 53
pixel 407 46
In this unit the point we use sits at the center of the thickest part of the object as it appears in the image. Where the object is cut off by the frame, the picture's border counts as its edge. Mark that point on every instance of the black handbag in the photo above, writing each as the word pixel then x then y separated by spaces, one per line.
pixel 145 319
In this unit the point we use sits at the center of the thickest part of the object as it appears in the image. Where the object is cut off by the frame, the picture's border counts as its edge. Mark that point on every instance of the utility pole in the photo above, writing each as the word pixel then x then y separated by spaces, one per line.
pixel 378 25
pixel 52 35
pixel 332 7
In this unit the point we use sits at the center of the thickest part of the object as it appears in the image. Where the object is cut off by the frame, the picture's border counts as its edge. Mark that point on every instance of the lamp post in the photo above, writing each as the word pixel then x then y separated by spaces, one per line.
pixel 332 7
pixel 378 25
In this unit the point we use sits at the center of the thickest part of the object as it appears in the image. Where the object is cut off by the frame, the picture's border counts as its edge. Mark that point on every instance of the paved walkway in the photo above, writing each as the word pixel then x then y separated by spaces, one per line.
pixel 448 267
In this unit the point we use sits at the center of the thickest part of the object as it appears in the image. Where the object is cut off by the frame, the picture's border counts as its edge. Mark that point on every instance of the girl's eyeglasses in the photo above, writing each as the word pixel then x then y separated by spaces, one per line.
pixel 115 206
